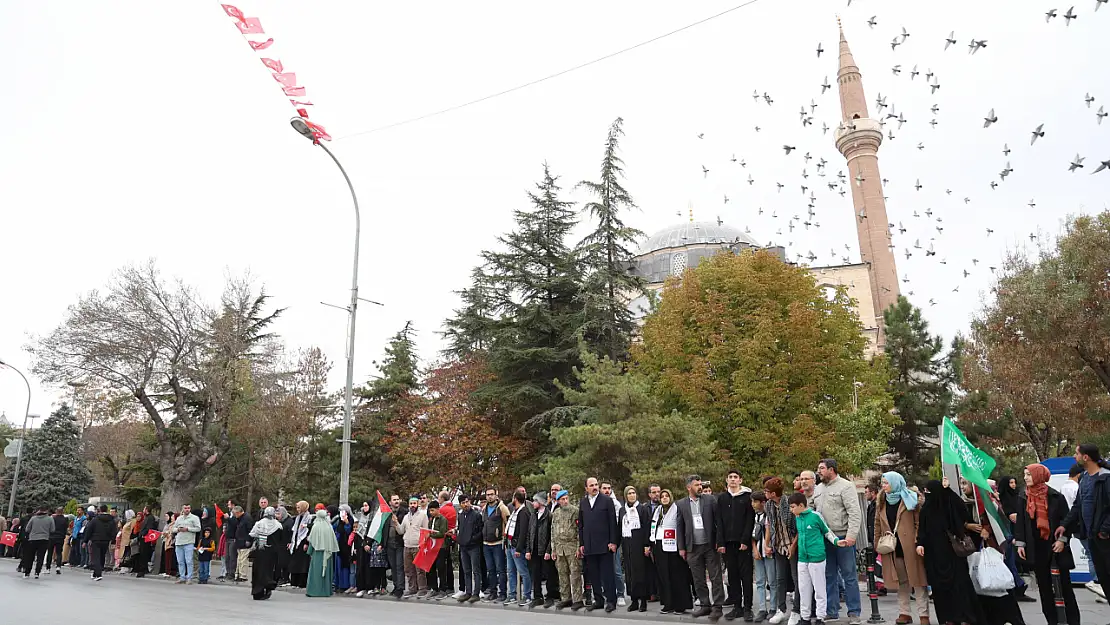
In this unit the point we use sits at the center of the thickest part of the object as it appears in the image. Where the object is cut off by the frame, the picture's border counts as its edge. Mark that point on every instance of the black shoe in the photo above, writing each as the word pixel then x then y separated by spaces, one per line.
pixel 748 616
pixel 715 615
pixel 632 605
pixel 760 616
pixel 562 605
pixel 665 610
pixel 609 607
pixel 643 605
pixel 1026 599
pixel 590 607
pixel 732 614
pixel 535 603
pixel 702 611
pixel 576 606
pixel 548 603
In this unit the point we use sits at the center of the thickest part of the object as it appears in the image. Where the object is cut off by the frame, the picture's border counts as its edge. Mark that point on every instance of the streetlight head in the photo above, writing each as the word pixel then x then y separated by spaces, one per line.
pixel 2 363
pixel 300 126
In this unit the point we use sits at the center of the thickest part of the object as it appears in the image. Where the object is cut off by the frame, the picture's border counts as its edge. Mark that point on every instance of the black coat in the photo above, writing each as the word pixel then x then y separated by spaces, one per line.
pixel 597 525
pixel 243 527
pixel 641 537
pixel 735 517
pixel 522 533
pixel 103 528
pixel 61 527
pixel 1025 530
pixel 468 528
pixel 230 523
pixel 541 535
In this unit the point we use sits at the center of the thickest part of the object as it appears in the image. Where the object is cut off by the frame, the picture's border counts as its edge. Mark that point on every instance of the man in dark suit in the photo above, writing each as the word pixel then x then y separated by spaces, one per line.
pixel 598 539
pixel 699 542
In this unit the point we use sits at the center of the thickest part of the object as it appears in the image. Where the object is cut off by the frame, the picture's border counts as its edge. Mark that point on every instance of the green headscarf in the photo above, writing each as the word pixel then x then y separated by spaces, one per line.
pixel 322 536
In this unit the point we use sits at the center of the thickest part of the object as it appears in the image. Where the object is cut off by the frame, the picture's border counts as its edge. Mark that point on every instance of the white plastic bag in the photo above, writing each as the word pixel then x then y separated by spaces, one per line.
pixel 993 575
pixel 973 565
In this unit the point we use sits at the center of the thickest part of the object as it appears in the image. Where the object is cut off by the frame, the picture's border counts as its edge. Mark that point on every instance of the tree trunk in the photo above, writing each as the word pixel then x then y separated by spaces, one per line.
pixel 250 479
pixel 176 494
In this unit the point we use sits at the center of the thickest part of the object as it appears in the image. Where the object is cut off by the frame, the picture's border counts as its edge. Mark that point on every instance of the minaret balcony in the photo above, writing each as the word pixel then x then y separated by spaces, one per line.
pixel 858 134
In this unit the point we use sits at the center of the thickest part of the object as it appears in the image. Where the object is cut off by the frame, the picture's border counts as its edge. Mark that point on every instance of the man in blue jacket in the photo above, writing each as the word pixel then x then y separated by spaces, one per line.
pixel 1089 517
pixel 77 538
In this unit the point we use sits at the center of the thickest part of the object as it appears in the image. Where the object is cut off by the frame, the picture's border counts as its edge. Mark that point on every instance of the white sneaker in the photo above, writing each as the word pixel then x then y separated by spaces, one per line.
pixel 458 594
pixel 1096 588
pixel 360 593
pixel 795 618
pixel 620 602
pixel 779 617
pixel 697 603
pixel 483 595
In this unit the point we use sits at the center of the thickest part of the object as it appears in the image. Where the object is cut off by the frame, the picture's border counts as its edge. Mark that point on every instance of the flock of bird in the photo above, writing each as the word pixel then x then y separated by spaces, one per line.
pixel 816 178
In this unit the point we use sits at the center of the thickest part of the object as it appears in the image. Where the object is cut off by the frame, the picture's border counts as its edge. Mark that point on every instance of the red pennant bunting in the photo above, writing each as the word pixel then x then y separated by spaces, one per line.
pixel 273 64
pixel 293 91
pixel 232 11
pixel 250 26
pixel 261 45
pixel 288 79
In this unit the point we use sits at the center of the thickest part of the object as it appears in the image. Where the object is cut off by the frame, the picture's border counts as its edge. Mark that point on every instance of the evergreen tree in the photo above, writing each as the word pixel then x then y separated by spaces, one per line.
pixel 472 328
pixel 537 280
pixel 52 471
pixel 922 382
pixel 607 256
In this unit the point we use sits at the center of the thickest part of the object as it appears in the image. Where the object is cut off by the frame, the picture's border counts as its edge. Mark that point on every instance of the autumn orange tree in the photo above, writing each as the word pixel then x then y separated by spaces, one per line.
pixel 450 441
pixel 751 346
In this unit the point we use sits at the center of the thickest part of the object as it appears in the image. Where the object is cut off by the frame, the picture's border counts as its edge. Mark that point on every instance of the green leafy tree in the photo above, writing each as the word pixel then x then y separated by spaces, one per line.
pixel 617 429
pixel 607 254
pixel 52 471
pixel 922 382
pixel 751 347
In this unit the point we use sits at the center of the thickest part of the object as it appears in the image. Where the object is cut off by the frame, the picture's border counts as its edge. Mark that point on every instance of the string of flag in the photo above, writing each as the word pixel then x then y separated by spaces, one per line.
pixel 250 28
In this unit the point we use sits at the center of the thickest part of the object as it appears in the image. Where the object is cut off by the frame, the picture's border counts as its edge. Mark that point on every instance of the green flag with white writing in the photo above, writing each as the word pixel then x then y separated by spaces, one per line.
pixel 974 464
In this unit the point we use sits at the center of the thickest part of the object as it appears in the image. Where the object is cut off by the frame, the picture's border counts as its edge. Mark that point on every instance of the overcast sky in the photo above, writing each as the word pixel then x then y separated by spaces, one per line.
pixel 136 130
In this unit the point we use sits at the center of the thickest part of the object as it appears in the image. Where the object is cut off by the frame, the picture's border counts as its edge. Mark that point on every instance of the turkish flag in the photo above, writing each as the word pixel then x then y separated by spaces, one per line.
pixel 8 539
pixel 219 516
pixel 429 549
pixel 152 536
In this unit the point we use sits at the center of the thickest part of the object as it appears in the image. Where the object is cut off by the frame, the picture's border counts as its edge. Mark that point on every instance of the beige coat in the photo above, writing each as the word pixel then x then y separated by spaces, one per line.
pixel 124 538
pixel 907 521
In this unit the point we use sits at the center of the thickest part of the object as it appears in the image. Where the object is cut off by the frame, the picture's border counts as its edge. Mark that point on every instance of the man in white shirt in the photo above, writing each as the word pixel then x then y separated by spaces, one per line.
pixel 1070 488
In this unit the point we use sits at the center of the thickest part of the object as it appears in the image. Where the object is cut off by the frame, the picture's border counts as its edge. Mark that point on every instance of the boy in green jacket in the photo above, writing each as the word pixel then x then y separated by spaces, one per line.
pixel 812 533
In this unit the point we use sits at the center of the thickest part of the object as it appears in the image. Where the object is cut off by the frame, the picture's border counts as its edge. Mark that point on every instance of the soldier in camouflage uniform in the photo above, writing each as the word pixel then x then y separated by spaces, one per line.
pixel 564 549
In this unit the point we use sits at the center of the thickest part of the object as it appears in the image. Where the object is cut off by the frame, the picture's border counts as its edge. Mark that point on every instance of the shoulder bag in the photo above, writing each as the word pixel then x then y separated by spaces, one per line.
pixel 888 542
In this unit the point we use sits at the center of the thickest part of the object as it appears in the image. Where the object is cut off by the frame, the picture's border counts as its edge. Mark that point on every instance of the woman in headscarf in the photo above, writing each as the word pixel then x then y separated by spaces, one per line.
pixel 362 548
pixel 674 587
pixel 943 516
pixel 322 546
pixel 897 512
pixel 1011 505
pixel 123 539
pixel 634 521
pixel 298 546
pixel 146 549
pixel 1002 610
pixel 1042 510
pixel 281 564
pixel 343 521
pixel 266 535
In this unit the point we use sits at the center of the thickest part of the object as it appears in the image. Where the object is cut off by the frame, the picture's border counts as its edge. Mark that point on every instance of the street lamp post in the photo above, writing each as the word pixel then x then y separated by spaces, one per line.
pixel 345 479
pixel 22 440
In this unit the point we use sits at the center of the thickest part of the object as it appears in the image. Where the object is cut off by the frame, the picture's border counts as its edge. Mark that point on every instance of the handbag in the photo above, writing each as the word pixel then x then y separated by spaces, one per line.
pixel 963 547
pixel 888 542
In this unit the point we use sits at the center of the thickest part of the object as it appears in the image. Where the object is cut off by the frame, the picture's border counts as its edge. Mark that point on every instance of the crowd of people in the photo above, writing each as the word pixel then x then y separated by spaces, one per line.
pixel 775 554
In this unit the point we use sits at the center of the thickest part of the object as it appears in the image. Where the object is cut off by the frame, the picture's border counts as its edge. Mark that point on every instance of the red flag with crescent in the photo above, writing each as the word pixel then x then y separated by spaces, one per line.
pixel 428 551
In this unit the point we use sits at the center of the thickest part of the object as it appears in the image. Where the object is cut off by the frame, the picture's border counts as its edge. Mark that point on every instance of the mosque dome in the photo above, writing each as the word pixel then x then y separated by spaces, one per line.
pixel 694 233
pixel 671 250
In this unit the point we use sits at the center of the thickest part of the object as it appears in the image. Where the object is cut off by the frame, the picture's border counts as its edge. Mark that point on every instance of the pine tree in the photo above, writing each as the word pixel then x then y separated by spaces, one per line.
pixel 607 256
pixel 922 383
pixel 51 472
pixel 472 329
pixel 537 284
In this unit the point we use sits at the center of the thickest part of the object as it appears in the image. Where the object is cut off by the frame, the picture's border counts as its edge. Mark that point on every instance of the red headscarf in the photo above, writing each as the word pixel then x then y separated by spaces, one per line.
pixel 321 506
pixel 1036 505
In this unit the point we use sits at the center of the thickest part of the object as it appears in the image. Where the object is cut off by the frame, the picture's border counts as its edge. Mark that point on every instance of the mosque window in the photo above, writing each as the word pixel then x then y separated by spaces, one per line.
pixel 678 263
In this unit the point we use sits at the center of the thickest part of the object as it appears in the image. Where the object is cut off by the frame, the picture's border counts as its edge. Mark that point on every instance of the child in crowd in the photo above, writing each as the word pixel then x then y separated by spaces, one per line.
pixel 205 550
pixel 812 533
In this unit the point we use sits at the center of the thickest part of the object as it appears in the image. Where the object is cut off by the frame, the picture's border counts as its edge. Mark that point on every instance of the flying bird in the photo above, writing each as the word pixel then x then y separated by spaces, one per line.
pixel 993 185
pixel 1032 204
pixel 929 74
pixel 917 185
pixel 989 119
pixel 726 202
pixel 1100 114
pixel 935 108
pixel 1007 170
pixel 1102 165
pixel 895 43
pixel 1006 149
pixel 933 122
pixel 1077 163
pixel 873 22
pixel 1038 133
pixel 1069 16
pixel 934 86
pixel 920 146
pixel 1088 99
pixel 989 232
pixel 1049 15
pixel 976 44
pixel 914 72
pixel 905 34
pixel 897 69
pixel 950 40
pixel 819 50
pixel 701 135
pixel 705 171
pixel 788 148
pixel 825 86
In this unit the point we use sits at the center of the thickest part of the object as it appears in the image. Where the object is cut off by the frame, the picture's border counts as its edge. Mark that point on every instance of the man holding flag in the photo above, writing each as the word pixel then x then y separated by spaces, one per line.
pixel 431 541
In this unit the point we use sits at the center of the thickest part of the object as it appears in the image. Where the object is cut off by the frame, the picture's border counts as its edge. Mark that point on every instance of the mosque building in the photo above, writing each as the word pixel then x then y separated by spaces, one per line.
pixel 872 283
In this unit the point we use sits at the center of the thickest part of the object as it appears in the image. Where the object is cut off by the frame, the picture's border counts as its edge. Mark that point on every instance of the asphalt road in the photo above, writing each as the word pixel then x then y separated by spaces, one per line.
pixel 57 598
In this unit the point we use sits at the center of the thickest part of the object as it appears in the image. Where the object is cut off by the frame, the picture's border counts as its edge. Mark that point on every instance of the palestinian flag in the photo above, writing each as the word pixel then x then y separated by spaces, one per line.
pixel 381 520
pixel 999 523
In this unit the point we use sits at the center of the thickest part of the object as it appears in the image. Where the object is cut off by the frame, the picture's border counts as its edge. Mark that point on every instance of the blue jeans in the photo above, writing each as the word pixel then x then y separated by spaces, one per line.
pixel 619 571
pixel 204 569
pixel 184 560
pixel 495 568
pixel 841 561
pixel 515 564
pixel 765 575
pixel 1011 563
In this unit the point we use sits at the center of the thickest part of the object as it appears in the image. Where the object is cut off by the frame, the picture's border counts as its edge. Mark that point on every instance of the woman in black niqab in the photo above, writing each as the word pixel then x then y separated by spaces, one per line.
pixel 1008 497
pixel 942 514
